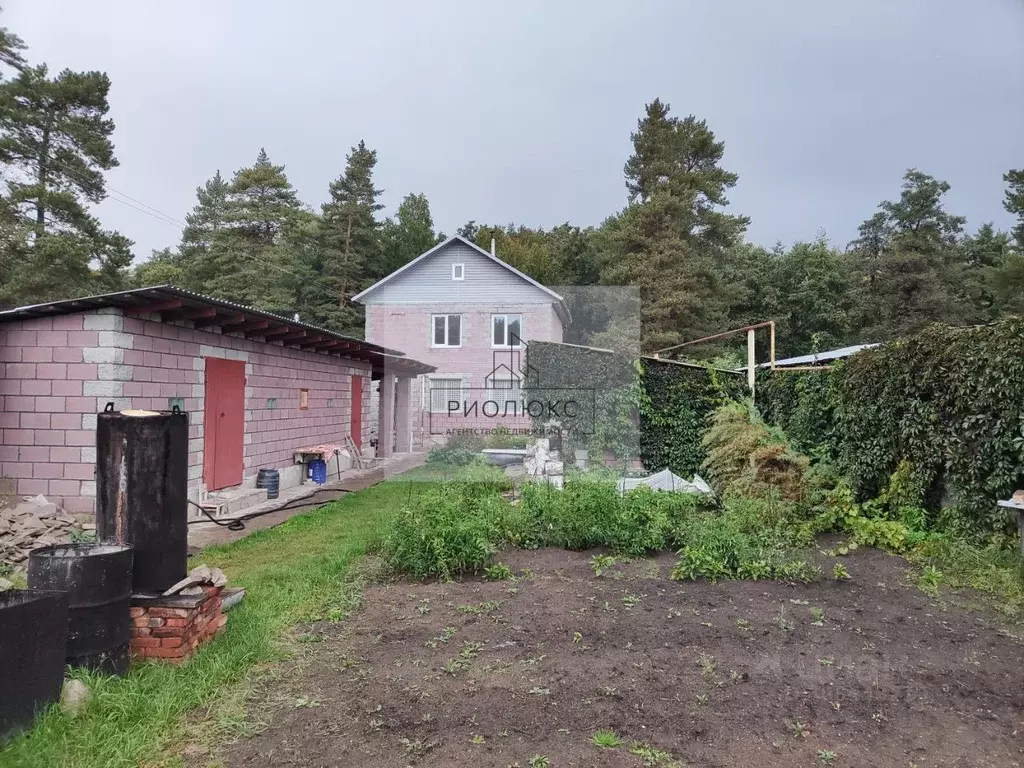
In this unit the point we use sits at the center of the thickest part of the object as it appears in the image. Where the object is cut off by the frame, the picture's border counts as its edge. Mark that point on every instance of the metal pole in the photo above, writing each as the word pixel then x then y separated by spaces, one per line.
pixel 750 361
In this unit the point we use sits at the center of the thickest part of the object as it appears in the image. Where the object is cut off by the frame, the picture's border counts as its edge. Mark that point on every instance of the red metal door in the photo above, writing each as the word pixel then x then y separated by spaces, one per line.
pixel 356 427
pixel 224 423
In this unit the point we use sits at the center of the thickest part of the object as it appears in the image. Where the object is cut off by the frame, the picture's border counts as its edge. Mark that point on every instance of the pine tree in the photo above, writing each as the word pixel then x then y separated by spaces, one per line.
pixel 350 232
pixel 650 166
pixel 1014 204
pixel 11 47
pixel 907 261
pixel 55 136
pixel 983 257
pixel 682 296
pixel 408 235
pixel 672 238
pixel 248 258
pixel 203 225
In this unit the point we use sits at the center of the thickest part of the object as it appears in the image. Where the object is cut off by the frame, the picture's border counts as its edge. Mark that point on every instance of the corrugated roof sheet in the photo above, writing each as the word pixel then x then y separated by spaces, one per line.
pixel 820 357
pixel 178 304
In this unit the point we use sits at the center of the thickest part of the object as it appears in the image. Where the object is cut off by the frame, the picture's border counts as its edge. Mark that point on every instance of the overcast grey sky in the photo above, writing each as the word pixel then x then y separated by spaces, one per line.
pixel 521 111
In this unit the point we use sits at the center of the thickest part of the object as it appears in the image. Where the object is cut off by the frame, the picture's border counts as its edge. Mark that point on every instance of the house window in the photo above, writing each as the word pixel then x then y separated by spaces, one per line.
pixel 506 330
pixel 503 386
pixel 458 271
pixel 447 330
pixel 440 391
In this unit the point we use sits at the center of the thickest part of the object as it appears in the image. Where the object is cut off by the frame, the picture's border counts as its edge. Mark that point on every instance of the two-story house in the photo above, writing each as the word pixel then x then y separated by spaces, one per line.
pixel 471 315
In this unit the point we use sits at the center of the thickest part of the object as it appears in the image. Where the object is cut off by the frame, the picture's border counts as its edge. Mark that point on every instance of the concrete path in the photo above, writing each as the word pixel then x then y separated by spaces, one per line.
pixel 301 498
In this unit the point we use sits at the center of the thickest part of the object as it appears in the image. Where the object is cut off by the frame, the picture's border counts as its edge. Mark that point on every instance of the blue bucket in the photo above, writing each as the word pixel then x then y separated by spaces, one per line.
pixel 318 471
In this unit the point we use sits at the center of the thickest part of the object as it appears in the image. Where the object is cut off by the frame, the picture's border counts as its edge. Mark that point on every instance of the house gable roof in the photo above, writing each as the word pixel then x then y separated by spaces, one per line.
pixel 560 302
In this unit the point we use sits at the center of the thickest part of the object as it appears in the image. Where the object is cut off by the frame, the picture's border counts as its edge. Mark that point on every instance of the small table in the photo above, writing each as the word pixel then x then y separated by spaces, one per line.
pixel 1019 506
pixel 325 452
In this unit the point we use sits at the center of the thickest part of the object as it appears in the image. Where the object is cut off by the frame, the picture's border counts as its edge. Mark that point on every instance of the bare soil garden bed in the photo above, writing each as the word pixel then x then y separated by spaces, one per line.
pixel 865 672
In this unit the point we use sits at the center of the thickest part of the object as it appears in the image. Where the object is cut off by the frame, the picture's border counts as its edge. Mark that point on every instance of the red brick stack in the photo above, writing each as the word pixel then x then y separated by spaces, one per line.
pixel 173 627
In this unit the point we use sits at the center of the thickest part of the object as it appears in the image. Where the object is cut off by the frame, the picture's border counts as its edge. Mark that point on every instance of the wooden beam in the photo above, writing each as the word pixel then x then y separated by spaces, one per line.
pixel 291 338
pixel 261 330
pixel 336 345
pixel 283 330
pixel 256 325
pixel 156 306
pixel 191 313
pixel 314 341
pixel 215 319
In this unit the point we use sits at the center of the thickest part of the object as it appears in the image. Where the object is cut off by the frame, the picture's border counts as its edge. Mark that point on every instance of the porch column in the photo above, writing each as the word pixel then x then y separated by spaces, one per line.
pixel 386 422
pixel 403 416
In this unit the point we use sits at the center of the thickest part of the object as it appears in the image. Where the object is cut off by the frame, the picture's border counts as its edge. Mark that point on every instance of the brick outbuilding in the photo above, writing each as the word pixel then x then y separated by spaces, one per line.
pixel 257 386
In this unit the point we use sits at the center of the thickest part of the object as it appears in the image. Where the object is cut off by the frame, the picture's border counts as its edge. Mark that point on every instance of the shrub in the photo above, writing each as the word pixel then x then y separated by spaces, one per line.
pixel 458 451
pixel 728 546
pixel 745 458
pixel 578 517
pixel 648 520
pixel 443 533
pixel 459 527
pixel 502 437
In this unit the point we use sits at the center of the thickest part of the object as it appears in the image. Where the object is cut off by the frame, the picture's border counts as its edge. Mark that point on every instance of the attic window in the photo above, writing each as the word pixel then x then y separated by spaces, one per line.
pixel 458 271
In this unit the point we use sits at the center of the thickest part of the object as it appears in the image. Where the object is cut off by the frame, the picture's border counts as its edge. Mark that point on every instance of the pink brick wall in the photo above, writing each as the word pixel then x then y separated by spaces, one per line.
pixel 49 395
pixel 408 327
pixel 45 448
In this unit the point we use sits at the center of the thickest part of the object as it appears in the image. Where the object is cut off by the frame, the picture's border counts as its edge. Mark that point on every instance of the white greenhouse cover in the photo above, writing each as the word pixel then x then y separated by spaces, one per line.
pixel 666 481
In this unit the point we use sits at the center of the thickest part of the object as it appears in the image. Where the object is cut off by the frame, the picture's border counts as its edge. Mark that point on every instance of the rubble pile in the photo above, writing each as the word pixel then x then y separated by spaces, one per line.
pixel 37 522
pixel 198 578
pixel 544 463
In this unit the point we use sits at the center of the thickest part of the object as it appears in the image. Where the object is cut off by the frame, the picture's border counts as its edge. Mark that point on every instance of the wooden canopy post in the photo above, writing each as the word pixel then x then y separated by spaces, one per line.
pixel 750 361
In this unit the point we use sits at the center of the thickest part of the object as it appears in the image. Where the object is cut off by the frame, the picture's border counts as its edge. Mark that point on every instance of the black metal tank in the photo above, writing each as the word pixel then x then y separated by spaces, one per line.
pixel 33 636
pixel 141 492
pixel 97 579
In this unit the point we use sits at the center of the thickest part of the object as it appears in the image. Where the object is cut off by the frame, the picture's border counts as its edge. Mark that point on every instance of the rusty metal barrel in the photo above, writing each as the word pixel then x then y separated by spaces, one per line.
pixel 141 492
pixel 97 579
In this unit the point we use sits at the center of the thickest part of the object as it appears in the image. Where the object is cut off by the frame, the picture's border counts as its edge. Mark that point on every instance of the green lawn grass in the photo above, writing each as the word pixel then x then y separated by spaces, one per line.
pixel 292 573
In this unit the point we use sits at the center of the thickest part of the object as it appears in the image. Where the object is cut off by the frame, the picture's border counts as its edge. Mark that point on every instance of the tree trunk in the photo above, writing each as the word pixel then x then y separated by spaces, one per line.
pixel 44 170
pixel 348 243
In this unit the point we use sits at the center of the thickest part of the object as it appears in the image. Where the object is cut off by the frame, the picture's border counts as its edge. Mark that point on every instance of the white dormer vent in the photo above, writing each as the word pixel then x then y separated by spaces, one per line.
pixel 458 271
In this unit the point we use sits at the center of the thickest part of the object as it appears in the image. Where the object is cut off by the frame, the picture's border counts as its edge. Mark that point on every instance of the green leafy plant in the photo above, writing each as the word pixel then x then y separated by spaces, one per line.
pixel 929 580
pixel 498 572
pixel 607 739
pixel 442 533
pixel 799 729
pixel 601 563
pixel 459 450
pixel 839 572
pixel 651 757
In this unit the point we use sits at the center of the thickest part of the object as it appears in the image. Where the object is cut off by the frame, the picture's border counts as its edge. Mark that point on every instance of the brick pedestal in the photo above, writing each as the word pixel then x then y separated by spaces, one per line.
pixel 173 627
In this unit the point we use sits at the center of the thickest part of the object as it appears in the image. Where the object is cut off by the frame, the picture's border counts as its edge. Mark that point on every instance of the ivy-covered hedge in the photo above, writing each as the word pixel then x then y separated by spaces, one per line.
pixel 803 405
pixel 602 383
pixel 676 404
pixel 948 400
pixel 653 409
